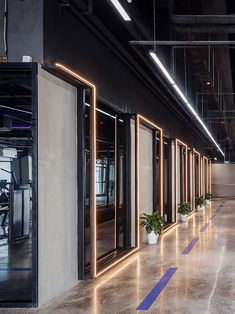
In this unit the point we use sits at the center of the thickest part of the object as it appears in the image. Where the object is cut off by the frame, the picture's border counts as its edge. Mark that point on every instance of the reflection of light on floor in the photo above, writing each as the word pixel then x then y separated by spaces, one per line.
pixel 112 275
pixel 216 279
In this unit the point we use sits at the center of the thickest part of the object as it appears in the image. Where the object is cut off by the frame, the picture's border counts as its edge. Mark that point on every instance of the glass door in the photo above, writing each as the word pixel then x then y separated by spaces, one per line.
pixel 17 186
pixel 197 175
pixel 205 162
pixel 167 180
pixel 150 169
pixel 114 226
pixel 181 178
pixel 190 178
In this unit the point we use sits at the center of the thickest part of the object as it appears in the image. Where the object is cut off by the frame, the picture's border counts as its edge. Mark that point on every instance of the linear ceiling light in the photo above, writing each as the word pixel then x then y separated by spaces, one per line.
pixel 121 10
pixel 161 66
pixel 179 92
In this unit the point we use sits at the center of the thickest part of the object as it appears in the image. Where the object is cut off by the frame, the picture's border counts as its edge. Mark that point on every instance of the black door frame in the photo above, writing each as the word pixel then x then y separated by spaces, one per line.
pixel 33 68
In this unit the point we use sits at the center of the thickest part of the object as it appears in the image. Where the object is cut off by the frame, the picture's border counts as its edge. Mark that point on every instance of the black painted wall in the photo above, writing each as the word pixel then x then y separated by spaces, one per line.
pixel 68 41
pixel 25 29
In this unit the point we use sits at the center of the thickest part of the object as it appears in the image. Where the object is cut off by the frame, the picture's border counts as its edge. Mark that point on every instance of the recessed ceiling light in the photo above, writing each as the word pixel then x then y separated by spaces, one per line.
pixel 208 83
pixel 222 122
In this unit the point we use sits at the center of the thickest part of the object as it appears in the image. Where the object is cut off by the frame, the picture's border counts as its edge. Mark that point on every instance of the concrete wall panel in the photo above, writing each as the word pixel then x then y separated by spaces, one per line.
pixel 57 164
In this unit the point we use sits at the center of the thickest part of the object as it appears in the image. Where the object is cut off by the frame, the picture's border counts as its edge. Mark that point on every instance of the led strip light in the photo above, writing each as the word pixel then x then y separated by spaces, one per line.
pixel 93 164
pixel 179 143
pixel 121 10
pixel 94 271
pixel 182 96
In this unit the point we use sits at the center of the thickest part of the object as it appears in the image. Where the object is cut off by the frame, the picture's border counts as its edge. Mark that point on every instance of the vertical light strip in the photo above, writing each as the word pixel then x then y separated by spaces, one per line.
pixel 176 183
pixel 193 181
pixel 186 173
pixel 93 164
pixel 93 184
pixel 210 176
pixel 115 185
pixel 138 180
pixel 161 173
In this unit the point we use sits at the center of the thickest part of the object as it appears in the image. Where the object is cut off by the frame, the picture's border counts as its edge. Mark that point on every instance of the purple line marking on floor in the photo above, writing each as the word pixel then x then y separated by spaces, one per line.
pixel 190 246
pixel 203 229
pixel 213 216
pixel 156 291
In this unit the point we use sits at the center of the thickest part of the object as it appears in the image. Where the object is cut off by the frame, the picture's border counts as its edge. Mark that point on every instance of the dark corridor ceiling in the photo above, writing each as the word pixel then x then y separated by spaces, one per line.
pixel 205 73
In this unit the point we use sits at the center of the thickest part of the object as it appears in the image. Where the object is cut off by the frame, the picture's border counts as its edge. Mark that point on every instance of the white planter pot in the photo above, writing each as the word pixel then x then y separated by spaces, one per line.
pixel 208 202
pixel 183 218
pixel 199 208
pixel 152 238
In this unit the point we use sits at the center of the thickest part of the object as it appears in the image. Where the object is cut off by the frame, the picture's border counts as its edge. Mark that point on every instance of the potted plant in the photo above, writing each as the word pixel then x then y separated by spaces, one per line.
pixel 153 224
pixel 208 198
pixel 199 202
pixel 184 209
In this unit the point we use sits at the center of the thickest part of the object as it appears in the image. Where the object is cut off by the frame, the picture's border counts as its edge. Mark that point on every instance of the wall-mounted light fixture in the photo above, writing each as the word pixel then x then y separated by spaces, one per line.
pixel 180 93
pixel 121 10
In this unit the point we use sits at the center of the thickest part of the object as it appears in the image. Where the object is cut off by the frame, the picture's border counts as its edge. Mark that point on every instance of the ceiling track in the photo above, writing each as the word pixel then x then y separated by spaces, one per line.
pixel 182 42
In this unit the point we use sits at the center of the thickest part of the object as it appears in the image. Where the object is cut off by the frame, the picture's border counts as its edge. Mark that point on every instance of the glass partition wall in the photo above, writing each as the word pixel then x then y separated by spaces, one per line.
pixel 167 182
pixel 209 176
pixel 17 186
pixel 204 176
pixel 196 175
pixel 190 179
pixel 181 177
pixel 115 211
pixel 149 169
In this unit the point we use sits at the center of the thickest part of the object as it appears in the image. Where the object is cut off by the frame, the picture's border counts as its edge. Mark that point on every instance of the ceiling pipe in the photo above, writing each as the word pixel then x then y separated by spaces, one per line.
pixel 216 19
pixel 181 42
pixel 205 29
pixel 14 109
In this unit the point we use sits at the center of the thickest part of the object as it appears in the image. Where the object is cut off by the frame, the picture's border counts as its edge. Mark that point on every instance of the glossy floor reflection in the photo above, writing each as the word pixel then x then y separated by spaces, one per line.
pixel 16 271
pixel 203 283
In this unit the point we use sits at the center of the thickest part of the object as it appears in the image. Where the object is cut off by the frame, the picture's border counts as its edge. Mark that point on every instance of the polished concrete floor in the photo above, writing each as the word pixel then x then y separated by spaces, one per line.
pixel 204 280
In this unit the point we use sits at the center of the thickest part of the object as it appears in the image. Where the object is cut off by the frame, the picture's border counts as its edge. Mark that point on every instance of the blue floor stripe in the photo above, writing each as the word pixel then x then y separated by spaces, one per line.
pixel 190 246
pixel 155 292
pixel 203 228
pixel 11 269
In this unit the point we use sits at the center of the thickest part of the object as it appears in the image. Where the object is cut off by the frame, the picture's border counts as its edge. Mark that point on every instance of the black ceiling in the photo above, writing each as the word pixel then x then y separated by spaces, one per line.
pixel 205 73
